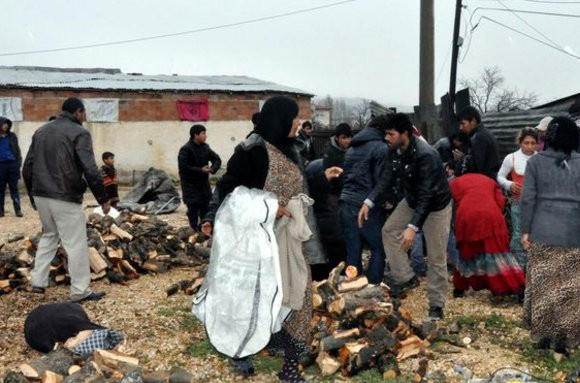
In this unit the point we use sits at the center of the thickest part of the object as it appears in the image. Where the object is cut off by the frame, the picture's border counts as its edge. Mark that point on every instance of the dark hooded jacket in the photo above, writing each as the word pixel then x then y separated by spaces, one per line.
pixel 363 164
pixel 194 182
pixel 483 154
pixel 14 147
pixel 60 162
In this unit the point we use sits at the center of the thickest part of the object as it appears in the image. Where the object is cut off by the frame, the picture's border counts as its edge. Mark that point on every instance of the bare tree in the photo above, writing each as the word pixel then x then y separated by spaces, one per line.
pixel 488 94
pixel 361 114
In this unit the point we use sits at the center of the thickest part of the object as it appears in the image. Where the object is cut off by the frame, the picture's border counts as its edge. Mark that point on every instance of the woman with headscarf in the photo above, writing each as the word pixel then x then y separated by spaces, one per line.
pixel 269 160
pixel 485 260
pixel 550 226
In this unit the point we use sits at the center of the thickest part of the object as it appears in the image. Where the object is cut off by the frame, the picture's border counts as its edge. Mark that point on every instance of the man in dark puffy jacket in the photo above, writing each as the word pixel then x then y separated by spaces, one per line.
pixel 10 162
pixel 196 161
pixel 59 164
pixel 426 206
pixel 363 164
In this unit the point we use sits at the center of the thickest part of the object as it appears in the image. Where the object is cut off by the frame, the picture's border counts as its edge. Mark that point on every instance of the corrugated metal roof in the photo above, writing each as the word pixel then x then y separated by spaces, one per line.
pixel 114 80
pixel 505 126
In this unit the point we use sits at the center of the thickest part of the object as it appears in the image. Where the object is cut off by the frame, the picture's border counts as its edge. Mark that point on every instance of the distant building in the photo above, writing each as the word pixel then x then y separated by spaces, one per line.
pixel 143 119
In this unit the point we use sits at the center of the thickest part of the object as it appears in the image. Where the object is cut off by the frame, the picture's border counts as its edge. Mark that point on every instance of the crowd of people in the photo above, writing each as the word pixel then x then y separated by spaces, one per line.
pixel 384 188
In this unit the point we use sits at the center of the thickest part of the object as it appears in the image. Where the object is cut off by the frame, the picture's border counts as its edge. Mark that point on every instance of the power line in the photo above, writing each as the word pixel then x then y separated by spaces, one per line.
pixel 572 15
pixel 525 34
pixel 305 10
pixel 462 59
pixel 443 65
pixel 528 24
pixel 553 2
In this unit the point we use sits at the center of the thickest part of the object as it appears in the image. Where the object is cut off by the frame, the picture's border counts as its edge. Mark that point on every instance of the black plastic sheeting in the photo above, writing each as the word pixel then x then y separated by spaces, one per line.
pixel 153 194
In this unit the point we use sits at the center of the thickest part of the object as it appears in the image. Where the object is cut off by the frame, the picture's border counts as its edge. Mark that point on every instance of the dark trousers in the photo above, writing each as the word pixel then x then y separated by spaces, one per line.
pixel 9 174
pixel 371 232
pixel 195 213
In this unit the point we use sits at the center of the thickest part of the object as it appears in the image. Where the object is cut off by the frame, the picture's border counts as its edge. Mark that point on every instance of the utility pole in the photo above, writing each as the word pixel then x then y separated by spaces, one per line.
pixel 426 112
pixel 454 52
pixel 426 54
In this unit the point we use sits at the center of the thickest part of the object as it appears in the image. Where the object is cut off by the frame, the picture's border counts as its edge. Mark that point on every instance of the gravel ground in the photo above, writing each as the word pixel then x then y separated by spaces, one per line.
pixel 161 333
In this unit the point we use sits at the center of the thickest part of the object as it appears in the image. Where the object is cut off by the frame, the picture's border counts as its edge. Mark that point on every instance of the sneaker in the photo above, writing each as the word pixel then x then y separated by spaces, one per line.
pixel 435 313
pixel 94 296
pixel 34 289
pixel 458 293
pixel 19 214
pixel 1 214
pixel 398 290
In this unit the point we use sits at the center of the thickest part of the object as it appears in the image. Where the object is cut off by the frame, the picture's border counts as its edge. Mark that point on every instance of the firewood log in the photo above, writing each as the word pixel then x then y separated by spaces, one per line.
pixel 24 272
pixel 14 377
pixel 191 290
pixel 58 361
pixel 410 347
pixel 382 338
pixel 24 258
pixel 327 364
pixel 139 218
pixel 129 270
pixel 96 261
pixel 74 368
pixel 51 377
pixel 334 276
pixel 388 366
pixel 113 358
pixel 121 233
pixel 176 287
pixel 356 284
pixel 338 339
pixel 421 371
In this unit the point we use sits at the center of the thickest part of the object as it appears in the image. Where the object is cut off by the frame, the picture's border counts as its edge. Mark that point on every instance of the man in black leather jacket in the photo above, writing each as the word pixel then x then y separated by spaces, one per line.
pixel 59 165
pixel 426 206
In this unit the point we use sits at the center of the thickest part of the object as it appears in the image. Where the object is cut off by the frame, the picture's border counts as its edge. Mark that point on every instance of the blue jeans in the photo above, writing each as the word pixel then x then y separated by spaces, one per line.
pixel 417 255
pixel 371 232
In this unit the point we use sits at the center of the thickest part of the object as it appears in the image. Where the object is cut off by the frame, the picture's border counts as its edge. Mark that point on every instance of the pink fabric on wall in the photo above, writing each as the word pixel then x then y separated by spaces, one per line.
pixel 193 110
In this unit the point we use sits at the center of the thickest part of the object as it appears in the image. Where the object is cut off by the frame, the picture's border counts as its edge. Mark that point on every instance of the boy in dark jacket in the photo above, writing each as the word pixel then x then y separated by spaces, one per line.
pixel 363 164
pixel 196 161
pixel 10 161
pixel 110 179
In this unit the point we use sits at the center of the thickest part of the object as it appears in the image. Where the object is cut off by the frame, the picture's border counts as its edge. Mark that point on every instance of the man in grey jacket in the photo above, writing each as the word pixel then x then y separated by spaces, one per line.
pixel 59 164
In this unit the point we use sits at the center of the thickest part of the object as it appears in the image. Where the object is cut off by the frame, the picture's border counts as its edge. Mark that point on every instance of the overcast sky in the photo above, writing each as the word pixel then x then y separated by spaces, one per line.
pixel 361 48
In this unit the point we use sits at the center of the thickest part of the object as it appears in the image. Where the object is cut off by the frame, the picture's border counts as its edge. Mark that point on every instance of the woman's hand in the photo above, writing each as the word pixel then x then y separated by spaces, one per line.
pixel 515 188
pixel 332 172
pixel 526 241
pixel 207 228
pixel 282 212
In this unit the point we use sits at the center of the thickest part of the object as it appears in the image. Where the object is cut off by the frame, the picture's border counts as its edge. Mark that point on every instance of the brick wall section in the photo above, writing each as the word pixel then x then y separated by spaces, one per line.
pixel 38 105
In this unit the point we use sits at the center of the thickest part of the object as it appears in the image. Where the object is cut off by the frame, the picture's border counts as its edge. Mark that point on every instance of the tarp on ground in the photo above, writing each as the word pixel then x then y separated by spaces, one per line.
pixel 153 194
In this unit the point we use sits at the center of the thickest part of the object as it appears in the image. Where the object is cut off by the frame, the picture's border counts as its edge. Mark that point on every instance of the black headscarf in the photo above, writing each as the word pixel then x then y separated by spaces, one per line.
pixel 562 136
pixel 276 118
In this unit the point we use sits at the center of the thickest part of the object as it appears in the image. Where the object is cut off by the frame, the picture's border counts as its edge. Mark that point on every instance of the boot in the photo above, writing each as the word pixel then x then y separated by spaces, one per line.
pixel 17 209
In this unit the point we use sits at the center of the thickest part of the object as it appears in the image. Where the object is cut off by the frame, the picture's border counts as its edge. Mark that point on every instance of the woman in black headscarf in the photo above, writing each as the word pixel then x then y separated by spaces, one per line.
pixel 550 226
pixel 268 160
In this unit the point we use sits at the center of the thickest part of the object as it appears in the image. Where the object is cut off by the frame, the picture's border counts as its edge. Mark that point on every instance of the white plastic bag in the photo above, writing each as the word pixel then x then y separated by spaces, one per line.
pixel 240 300
pixel 112 212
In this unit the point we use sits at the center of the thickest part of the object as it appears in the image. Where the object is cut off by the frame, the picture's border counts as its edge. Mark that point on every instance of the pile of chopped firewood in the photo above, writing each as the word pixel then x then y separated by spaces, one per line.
pixel 356 327
pixel 61 366
pixel 119 249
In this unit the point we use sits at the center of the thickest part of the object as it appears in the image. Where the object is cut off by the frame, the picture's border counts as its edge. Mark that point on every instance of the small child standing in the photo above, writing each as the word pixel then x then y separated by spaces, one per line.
pixel 110 178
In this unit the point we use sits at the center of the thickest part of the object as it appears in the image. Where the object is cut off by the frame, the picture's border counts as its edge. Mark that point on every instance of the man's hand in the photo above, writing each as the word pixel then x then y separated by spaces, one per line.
pixel 363 214
pixel 332 172
pixel 526 243
pixel 516 188
pixel 207 228
pixel 407 237
pixel 282 212
pixel 206 169
pixel 106 206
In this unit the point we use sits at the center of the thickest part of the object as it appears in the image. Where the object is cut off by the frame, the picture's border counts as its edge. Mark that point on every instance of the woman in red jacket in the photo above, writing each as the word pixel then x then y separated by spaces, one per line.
pixel 485 260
